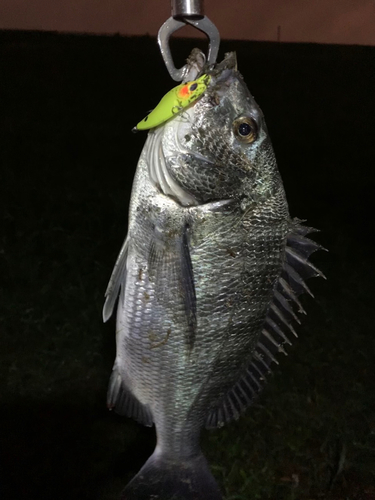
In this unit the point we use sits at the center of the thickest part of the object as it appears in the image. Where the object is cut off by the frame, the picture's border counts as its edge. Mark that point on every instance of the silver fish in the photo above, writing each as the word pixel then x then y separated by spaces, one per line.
pixel 208 282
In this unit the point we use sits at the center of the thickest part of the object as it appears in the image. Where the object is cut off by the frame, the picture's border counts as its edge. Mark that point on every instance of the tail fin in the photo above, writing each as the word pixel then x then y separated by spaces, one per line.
pixel 163 479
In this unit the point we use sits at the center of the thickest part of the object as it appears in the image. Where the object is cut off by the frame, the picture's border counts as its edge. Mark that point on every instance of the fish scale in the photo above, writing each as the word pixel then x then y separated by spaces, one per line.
pixel 208 277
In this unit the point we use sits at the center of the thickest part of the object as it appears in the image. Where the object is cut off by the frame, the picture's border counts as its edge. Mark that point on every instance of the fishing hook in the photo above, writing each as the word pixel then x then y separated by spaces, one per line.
pixel 187 12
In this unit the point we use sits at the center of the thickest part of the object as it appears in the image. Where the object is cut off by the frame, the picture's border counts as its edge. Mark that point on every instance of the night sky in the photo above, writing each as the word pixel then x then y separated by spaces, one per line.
pixel 321 21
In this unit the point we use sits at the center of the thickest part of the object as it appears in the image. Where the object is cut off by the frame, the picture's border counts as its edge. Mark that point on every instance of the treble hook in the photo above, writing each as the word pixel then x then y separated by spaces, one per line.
pixel 187 12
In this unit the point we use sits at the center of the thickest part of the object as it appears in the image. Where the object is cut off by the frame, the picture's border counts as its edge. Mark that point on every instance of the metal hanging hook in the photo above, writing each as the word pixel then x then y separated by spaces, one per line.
pixel 187 12
pixel 187 9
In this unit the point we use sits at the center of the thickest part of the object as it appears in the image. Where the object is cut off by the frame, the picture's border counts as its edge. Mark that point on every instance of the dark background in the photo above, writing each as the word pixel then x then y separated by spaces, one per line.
pixel 67 159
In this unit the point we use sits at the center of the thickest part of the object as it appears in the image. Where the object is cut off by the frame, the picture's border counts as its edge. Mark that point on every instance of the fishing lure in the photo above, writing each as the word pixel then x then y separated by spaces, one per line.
pixel 174 101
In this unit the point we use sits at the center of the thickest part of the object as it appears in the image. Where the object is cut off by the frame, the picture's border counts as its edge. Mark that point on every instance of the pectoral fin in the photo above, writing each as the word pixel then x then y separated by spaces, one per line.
pixel 171 268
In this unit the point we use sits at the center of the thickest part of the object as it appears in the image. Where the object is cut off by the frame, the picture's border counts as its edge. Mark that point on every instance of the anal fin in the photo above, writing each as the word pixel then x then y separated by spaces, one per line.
pixel 124 402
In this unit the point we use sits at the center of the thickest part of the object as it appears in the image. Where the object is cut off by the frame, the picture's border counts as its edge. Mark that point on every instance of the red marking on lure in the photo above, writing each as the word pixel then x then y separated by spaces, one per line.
pixel 184 92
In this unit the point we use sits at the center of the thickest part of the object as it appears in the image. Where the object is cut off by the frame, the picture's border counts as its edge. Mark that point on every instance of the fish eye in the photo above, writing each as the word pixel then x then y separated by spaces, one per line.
pixel 245 129
pixel 193 87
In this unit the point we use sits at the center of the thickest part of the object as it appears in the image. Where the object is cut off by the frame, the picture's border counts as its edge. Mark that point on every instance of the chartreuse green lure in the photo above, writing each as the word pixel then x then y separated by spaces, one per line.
pixel 174 101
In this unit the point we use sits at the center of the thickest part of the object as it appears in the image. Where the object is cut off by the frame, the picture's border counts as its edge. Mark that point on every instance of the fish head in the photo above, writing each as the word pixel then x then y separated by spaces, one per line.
pixel 219 147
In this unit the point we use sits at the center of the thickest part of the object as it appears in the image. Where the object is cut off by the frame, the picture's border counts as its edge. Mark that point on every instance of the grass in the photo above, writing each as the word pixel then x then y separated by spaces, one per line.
pixel 67 161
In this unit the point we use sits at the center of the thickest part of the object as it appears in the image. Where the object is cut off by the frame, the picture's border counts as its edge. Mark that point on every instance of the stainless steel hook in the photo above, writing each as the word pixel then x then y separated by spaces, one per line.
pixel 187 9
pixel 202 23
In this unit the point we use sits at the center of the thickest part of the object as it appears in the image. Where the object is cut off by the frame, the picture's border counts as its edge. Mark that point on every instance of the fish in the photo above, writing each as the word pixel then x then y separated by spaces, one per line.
pixel 207 281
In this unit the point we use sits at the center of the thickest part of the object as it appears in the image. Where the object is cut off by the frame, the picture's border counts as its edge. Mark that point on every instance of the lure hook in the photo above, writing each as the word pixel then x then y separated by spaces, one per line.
pixel 187 12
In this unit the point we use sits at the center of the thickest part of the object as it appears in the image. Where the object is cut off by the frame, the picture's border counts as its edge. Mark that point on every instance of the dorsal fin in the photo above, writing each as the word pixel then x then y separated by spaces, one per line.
pixel 277 326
